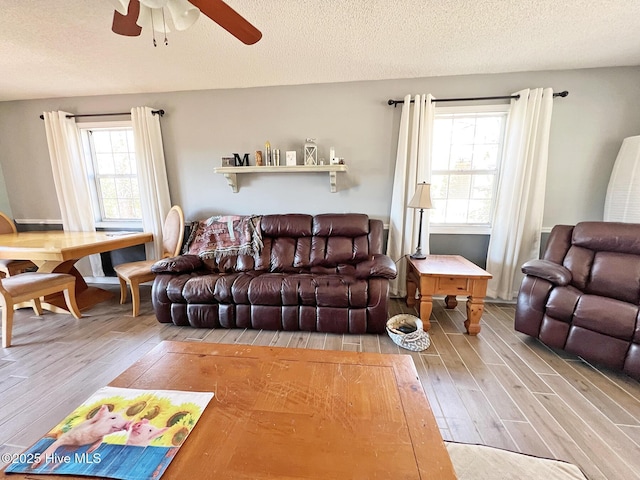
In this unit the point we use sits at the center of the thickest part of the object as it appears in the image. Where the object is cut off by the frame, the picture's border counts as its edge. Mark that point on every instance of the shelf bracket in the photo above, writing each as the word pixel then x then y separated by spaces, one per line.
pixel 232 180
pixel 332 181
pixel 231 173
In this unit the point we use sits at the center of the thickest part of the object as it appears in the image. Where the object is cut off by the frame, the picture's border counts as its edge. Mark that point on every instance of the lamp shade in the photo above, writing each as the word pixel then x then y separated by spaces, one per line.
pixel 622 203
pixel 422 197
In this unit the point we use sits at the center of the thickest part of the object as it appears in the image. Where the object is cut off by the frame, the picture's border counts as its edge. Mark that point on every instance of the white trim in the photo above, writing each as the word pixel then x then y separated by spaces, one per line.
pixel 497 108
pixel 546 229
pixel 104 280
pixel 101 225
pixel 460 229
pixel 106 124
pixel 119 225
pixel 38 221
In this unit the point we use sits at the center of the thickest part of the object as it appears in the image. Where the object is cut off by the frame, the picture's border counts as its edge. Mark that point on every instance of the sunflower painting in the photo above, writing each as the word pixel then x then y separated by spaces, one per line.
pixel 118 433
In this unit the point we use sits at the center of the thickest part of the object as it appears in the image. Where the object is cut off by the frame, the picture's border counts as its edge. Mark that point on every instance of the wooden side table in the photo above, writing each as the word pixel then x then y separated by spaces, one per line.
pixel 448 275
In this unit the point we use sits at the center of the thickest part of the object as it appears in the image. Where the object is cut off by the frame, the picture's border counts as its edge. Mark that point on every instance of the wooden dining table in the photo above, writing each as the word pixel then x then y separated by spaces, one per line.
pixel 58 251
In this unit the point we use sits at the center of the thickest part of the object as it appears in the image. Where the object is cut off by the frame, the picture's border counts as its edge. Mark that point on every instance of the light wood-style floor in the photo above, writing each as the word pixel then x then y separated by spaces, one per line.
pixel 500 388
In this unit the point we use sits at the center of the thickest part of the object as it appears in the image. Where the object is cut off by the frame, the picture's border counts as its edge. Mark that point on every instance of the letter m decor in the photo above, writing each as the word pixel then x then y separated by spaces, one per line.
pixel 241 162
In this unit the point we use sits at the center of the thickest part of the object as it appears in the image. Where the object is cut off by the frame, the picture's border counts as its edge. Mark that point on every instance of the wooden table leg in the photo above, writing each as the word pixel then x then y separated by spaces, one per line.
pixel 475 307
pixel 411 290
pixel 426 307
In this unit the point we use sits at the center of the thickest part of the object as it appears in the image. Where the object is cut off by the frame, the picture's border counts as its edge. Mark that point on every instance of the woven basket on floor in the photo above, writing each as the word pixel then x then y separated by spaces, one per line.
pixel 414 341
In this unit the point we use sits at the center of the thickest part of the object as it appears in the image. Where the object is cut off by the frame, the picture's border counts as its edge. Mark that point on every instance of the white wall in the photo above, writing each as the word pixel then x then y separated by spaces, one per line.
pixel 202 126
pixel 5 206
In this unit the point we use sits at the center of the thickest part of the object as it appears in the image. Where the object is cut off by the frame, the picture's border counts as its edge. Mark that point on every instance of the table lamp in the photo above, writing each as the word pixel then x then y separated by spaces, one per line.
pixel 421 199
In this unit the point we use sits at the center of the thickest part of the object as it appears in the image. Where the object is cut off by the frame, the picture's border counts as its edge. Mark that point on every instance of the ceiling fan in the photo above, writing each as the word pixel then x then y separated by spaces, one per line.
pixel 131 16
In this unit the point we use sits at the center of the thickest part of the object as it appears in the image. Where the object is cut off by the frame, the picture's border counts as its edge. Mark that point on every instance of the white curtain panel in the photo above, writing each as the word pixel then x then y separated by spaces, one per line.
pixel 413 165
pixel 71 182
pixel 152 176
pixel 515 237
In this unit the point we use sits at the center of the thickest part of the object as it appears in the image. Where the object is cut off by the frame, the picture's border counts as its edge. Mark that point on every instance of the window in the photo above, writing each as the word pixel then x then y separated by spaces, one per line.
pixel 466 158
pixel 111 165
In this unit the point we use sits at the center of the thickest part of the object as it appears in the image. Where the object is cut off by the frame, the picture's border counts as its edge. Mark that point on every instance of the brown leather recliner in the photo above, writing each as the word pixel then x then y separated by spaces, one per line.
pixel 322 273
pixel 583 295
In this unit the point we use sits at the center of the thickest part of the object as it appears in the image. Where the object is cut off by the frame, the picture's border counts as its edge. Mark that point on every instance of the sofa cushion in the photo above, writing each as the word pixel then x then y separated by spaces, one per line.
pixel 578 261
pixel 615 275
pixel 606 315
pixel 307 289
pixel 289 254
pixel 332 225
pixel 597 347
pixel 553 332
pixel 599 236
pixel 562 303
pixel 332 251
pixel 213 288
pixel 291 225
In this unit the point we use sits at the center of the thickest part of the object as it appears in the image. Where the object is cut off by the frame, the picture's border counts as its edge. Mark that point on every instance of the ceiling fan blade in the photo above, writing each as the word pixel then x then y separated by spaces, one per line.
pixel 126 24
pixel 229 19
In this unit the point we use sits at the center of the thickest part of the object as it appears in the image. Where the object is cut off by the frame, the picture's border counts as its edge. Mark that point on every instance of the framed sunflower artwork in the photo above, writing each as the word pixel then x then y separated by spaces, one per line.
pixel 120 433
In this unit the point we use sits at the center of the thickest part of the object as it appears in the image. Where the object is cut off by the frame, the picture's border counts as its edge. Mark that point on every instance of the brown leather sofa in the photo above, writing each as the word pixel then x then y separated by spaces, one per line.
pixel 583 295
pixel 322 273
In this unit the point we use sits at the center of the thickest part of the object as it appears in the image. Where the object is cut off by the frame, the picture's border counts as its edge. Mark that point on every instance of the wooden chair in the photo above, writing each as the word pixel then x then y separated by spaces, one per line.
pixel 31 286
pixel 135 273
pixel 12 267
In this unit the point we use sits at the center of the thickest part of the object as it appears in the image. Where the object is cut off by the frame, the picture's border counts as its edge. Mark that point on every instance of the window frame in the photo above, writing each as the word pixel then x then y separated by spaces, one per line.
pixel 464 228
pixel 100 222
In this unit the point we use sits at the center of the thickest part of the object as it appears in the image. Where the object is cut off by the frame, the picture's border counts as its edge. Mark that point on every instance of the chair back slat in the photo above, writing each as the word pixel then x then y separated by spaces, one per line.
pixel 6 224
pixel 173 232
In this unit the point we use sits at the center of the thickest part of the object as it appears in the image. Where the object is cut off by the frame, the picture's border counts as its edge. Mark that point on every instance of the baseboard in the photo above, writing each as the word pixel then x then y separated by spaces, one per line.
pixel 102 280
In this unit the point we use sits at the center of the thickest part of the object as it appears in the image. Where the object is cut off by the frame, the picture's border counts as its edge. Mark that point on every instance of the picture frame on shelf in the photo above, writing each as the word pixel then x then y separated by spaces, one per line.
pixel 290 158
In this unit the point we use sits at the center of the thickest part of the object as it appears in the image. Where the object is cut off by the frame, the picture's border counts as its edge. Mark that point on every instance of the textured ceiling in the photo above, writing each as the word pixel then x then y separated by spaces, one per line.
pixel 61 48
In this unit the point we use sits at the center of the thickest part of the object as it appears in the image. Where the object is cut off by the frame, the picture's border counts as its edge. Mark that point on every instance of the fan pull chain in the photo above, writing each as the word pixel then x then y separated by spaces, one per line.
pixel 153 31
pixel 164 26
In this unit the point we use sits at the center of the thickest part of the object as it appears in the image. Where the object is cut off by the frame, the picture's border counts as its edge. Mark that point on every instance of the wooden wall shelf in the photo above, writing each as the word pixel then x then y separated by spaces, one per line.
pixel 230 173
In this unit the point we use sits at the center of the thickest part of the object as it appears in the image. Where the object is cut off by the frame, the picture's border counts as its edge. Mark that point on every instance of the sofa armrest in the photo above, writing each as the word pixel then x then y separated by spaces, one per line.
pixel 378 265
pixel 552 272
pixel 179 264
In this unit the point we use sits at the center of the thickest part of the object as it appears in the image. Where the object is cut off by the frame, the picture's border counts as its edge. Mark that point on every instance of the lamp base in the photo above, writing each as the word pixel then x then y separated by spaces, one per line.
pixel 418 255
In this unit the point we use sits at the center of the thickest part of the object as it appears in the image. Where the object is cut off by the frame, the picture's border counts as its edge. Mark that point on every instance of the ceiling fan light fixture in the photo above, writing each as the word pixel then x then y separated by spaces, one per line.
pixel 140 14
pixel 120 6
pixel 151 19
pixel 154 3
pixel 183 14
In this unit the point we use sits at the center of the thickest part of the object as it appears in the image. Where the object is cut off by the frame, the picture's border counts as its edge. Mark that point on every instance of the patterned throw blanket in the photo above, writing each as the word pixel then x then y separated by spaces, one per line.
pixel 228 235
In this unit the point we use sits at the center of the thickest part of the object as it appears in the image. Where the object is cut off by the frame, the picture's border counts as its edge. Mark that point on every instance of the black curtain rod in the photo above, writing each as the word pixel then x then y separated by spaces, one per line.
pixel 470 99
pixel 154 112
